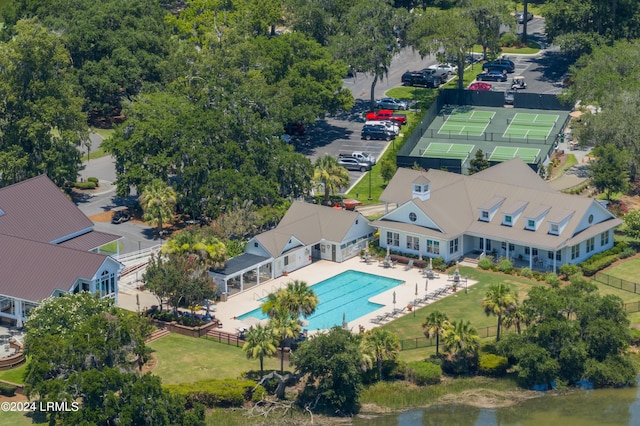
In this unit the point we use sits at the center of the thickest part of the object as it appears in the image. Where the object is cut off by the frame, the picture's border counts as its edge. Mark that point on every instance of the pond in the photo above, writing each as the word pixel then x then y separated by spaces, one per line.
pixel 580 408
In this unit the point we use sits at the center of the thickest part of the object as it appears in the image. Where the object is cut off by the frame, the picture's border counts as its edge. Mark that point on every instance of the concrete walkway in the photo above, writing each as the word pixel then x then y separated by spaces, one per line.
pixel 228 312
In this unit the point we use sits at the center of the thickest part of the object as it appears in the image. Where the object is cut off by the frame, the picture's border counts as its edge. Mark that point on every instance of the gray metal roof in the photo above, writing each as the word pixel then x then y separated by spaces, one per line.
pixel 240 263
pixel 33 270
pixel 37 210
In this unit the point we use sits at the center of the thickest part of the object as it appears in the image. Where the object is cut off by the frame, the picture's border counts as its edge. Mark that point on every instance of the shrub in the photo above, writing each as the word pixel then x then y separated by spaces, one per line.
pixel 94 179
pixel 488 347
pixel 505 266
pixel 568 270
pixel 552 278
pixel 217 393
pixel 438 264
pixel 615 370
pixel 423 373
pixel 7 389
pixel 84 185
pixel 493 365
pixel 602 260
pixel 485 263
pixel 509 40
pixel 526 272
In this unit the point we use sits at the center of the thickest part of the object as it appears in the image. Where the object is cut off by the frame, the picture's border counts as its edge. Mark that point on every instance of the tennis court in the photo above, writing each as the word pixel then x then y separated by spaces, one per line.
pixel 465 122
pixel 530 126
pixel 504 153
pixel 448 150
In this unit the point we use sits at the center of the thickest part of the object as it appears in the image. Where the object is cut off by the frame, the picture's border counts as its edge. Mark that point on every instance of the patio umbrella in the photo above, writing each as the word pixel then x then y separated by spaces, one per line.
pixel 420 256
pixel 344 321
pixel 416 289
pixel 430 264
pixel 394 300
pixel 426 285
pixel 388 252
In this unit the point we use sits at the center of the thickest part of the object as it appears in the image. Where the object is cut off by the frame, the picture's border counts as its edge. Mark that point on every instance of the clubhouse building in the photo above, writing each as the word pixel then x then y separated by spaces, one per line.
pixel 48 248
pixel 504 211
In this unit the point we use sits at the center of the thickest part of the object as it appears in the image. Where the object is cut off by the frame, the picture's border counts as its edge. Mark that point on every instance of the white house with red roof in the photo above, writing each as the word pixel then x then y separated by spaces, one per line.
pixel 48 248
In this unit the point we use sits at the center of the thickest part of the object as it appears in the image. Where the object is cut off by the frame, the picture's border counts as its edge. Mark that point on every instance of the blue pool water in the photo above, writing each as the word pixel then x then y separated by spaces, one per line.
pixel 346 293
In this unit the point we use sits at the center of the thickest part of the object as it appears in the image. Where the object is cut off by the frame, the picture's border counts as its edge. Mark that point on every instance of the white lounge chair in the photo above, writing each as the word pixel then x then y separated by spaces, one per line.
pixel 409 265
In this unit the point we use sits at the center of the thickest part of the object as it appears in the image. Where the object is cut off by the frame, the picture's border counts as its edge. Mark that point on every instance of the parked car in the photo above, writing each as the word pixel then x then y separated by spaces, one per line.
pixel 500 64
pixel 120 216
pixel 492 75
pixel 354 164
pixel 386 114
pixel 480 86
pixel 392 103
pixel 390 125
pixel 362 156
pixel 423 78
pixel 443 70
pixel 520 17
pixel 376 132
pixel 509 97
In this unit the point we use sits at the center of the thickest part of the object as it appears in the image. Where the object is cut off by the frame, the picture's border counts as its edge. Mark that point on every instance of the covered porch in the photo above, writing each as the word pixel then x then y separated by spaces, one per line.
pixel 523 256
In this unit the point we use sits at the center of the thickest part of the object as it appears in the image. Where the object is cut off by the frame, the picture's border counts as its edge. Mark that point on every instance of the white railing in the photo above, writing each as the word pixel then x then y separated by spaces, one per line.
pixel 127 257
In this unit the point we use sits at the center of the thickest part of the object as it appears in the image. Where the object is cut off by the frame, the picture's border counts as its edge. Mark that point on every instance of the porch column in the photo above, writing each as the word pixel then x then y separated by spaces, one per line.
pixel 484 246
pixel 18 312
pixel 530 257
pixel 506 249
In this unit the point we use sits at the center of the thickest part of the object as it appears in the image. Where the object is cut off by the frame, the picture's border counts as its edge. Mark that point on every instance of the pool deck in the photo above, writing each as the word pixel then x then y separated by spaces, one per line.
pixel 227 312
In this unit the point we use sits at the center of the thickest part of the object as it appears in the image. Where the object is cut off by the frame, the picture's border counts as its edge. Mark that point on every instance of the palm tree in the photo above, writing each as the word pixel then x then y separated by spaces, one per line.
pixel 434 326
pixel 330 174
pixel 260 342
pixel 272 303
pixel 284 327
pixel 201 243
pixel 460 338
pixel 299 299
pixel 516 316
pixel 380 345
pixel 498 301
pixel 158 201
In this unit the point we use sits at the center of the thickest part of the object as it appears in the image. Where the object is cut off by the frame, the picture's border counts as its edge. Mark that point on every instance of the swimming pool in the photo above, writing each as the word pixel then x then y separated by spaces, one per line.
pixel 346 294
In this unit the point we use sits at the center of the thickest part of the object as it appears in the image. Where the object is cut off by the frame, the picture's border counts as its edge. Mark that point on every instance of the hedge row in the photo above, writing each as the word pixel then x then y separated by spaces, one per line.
pixel 595 263
pixel 7 390
pixel 85 185
pixel 218 393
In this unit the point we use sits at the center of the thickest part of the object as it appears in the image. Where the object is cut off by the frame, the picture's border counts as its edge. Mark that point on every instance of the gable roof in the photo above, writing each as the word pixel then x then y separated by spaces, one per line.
pixel 51 267
pixel 456 202
pixel 310 224
pixel 37 210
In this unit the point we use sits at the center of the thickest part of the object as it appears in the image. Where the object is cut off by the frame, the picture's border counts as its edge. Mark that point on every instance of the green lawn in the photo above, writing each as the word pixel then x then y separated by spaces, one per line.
pixel 15 375
pixel 460 305
pixel 628 270
pixel 186 359
pixel 111 247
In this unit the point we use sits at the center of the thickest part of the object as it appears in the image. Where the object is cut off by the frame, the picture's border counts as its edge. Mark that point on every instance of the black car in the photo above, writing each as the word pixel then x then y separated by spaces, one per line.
pixel 377 132
pixel 492 75
pixel 425 78
pixel 500 64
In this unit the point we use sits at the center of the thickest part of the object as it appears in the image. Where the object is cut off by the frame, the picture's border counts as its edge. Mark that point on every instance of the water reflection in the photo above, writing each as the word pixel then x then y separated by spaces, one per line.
pixel 584 408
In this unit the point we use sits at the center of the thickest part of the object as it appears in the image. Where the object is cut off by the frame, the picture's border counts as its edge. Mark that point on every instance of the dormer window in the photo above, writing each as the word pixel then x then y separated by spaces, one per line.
pixel 531 224
pixel 484 215
pixel 554 228
pixel 507 220
pixel 421 188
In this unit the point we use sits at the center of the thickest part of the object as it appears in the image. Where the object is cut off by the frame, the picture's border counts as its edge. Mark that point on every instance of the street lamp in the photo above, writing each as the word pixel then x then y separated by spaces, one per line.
pixel 369 187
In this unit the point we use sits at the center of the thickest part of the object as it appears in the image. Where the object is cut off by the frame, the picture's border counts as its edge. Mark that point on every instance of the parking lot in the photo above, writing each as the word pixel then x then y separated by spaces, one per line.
pixel 338 134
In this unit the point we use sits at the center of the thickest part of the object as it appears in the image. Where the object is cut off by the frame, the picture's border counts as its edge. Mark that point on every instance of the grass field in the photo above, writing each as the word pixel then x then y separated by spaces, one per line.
pixel 185 359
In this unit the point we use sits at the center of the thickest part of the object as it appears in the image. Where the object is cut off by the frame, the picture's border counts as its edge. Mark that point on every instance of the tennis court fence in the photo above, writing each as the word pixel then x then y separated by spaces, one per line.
pixel 484 136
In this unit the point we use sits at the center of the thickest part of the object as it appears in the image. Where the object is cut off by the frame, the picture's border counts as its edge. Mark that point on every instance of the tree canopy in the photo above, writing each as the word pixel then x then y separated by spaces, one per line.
pixel 573 333
pixel 80 349
pixel 42 122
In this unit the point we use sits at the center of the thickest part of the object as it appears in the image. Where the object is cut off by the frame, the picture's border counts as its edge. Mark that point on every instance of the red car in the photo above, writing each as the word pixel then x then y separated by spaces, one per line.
pixel 386 114
pixel 479 86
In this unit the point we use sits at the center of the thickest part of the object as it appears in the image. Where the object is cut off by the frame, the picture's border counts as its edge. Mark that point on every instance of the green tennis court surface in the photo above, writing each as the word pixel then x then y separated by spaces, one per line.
pixel 472 123
pixel 504 153
pixel 448 150
pixel 530 126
